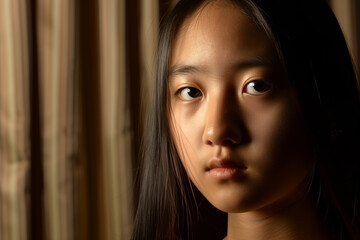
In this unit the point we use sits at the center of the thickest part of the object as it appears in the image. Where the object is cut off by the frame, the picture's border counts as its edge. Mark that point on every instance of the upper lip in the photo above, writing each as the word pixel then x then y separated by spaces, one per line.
pixel 224 163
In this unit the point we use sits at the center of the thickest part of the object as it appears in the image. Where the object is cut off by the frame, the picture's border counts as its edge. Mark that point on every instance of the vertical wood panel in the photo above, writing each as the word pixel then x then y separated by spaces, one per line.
pixel 81 190
pixel 117 128
pixel 14 121
pixel 111 78
pixel 56 61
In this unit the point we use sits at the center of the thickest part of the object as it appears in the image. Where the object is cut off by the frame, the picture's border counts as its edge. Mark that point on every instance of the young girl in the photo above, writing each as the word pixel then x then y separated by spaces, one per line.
pixel 254 132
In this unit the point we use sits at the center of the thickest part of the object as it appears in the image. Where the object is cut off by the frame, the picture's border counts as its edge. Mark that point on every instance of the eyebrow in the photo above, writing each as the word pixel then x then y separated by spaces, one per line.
pixel 183 69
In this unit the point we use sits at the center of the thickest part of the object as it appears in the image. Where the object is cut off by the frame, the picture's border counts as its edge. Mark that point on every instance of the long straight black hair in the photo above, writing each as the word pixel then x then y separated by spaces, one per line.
pixel 313 50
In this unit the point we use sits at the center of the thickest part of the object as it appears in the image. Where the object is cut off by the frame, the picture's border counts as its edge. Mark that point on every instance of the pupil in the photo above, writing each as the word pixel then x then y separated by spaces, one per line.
pixel 261 86
pixel 193 92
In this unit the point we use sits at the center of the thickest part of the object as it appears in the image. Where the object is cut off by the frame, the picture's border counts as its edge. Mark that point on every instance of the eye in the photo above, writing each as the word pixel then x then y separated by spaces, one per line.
pixel 189 93
pixel 257 87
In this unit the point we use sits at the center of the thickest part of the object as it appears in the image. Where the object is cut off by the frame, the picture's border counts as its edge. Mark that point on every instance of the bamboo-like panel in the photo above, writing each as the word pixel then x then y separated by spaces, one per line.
pixel 55 24
pixel 14 121
pixel 116 125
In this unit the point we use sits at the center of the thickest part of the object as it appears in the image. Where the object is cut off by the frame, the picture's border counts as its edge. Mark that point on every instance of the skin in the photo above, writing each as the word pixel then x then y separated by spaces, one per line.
pixel 231 102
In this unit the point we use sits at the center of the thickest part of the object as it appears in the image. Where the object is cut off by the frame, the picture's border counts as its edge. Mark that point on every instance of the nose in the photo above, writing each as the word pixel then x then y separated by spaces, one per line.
pixel 223 122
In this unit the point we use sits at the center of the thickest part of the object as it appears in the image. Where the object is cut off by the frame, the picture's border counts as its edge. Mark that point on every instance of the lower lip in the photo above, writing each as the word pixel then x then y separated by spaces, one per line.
pixel 225 173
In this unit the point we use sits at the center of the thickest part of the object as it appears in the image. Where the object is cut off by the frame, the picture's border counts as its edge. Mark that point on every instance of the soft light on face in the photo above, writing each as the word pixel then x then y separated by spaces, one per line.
pixel 235 118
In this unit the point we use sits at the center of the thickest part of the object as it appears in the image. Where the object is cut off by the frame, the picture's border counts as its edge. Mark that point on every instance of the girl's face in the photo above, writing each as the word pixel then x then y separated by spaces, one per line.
pixel 235 118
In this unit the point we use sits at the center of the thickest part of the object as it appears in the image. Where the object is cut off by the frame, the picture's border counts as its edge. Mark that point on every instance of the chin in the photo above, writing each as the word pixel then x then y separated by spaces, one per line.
pixel 233 203
pixel 231 207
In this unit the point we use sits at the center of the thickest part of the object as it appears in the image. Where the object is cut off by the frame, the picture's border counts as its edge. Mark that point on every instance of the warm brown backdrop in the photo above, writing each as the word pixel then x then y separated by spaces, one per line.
pixel 76 77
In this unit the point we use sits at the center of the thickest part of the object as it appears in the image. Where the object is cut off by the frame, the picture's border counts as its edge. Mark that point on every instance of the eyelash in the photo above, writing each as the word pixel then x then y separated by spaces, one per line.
pixel 265 86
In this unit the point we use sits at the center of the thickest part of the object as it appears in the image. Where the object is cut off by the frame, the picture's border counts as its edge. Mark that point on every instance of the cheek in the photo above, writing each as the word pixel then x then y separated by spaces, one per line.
pixel 187 127
pixel 277 127
pixel 187 134
pixel 282 155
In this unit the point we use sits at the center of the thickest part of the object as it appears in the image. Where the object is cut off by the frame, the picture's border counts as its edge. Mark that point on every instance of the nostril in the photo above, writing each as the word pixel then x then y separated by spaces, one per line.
pixel 229 143
pixel 208 142
pixel 225 143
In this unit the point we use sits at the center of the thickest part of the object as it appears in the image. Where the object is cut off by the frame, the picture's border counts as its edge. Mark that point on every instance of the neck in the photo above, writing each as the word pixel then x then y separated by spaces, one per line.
pixel 298 219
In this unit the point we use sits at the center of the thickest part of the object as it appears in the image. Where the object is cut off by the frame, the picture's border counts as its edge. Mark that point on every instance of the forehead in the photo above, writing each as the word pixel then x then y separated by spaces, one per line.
pixel 217 15
pixel 220 33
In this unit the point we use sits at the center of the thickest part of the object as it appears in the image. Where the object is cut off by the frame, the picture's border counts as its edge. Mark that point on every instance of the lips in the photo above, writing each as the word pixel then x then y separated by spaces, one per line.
pixel 222 169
